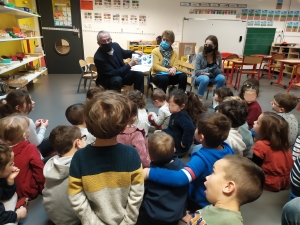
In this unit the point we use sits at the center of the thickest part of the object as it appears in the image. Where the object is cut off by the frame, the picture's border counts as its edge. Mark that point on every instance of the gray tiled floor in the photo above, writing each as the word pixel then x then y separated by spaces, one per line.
pixel 54 93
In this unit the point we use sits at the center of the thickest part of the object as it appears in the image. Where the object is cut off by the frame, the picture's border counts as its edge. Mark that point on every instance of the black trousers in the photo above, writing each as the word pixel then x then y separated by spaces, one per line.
pixel 163 81
pixel 116 83
pixel 144 219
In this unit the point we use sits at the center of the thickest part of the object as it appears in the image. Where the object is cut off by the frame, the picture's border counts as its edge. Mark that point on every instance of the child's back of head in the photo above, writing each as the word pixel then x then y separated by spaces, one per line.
pixel 14 129
pixel 6 156
pixel 235 111
pixel 91 93
pixel 158 95
pixel 107 115
pixel 74 114
pixel 214 127
pixel 161 148
pixel 62 138
pixel 137 97
pixel 286 101
pixel 222 93
pixel 194 106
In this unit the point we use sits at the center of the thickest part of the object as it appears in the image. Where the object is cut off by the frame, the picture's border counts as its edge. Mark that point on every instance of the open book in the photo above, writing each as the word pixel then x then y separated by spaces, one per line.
pixel 144 62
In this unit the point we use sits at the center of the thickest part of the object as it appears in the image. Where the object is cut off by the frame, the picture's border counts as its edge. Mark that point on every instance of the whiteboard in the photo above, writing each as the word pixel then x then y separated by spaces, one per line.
pixel 228 33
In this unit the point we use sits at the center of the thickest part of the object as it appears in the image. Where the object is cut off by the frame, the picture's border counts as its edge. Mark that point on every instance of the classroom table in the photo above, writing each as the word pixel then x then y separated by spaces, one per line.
pixel 283 62
pixel 235 62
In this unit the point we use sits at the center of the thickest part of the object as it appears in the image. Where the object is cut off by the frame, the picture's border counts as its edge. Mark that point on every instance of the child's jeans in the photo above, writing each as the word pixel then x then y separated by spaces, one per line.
pixel 10 205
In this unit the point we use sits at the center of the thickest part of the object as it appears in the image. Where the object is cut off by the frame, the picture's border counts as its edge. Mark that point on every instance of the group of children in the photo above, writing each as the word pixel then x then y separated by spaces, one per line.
pixel 97 174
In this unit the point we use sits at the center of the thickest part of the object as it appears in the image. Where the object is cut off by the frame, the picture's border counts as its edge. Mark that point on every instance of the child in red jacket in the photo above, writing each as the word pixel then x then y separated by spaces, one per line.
pixel 14 131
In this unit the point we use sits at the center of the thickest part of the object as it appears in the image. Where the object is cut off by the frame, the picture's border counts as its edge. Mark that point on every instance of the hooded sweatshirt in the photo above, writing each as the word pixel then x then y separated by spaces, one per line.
pixel 55 194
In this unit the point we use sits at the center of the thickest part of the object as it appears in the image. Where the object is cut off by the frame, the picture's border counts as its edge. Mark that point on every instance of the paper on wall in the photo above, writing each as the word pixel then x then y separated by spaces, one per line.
pixel 188 50
pixel 135 4
pixel 117 4
pixel 142 19
pixel 107 17
pixel 98 17
pixel 116 18
pixel 133 19
pixel 126 4
pixel 124 19
pixel 107 3
pixel 98 3
pixel 88 16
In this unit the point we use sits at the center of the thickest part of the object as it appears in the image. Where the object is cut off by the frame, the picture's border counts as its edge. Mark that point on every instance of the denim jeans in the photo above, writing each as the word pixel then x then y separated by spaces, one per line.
pixel 203 80
pixel 291 212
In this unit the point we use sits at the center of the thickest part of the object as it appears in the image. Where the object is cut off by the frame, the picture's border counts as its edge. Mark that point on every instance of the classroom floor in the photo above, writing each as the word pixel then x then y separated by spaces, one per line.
pixel 54 93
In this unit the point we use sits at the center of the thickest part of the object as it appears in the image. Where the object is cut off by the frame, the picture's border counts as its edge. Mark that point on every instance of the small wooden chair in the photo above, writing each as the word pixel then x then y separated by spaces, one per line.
pixel 248 60
pixel 86 73
pixel 295 78
pixel 226 67
pixel 272 65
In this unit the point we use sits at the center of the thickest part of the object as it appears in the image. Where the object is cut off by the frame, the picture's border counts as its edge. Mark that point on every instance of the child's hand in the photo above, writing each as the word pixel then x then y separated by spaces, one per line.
pixel 146 173
pixel 21 213
pixel 44 123
pixel 38 123
pixel 11 178
pixel 187 218
pixel 182 145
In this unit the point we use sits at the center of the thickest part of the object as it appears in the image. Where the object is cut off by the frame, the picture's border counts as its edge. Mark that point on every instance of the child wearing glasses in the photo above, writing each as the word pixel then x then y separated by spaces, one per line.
pixel 66 140
pixel 14 131
pixel 283 104
pixel 74 115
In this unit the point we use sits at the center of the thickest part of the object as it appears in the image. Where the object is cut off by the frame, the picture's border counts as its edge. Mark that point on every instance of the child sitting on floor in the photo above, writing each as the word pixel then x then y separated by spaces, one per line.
pixel 163 204
pixel 212 130
pixel 235 181
pixel 221 94
pixel 194 107
pixel 271 151
pixel 140 100
pixel 135 136
pixel 14 131
pixel 159 99
pixel 106 183
pixel 66 140
pixel 180 126
pixel 249 92
pixel 74 115
pixel 283 104
pixel 8 197
pixel 91 93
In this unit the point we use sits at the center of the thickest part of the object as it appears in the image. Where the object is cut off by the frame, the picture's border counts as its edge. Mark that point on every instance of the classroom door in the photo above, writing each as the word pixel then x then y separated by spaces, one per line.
pixel 61 28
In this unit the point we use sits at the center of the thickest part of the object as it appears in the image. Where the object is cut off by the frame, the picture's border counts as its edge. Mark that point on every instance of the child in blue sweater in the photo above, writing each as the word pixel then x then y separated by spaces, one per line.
pixel 180 126
pixel 212 130
pixel 163 205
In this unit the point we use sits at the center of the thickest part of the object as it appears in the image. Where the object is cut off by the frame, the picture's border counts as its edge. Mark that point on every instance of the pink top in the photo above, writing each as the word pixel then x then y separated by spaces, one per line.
pixel 136 138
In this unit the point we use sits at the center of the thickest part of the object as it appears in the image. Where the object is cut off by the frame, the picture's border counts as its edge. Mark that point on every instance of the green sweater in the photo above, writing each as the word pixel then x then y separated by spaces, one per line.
pixel 106 184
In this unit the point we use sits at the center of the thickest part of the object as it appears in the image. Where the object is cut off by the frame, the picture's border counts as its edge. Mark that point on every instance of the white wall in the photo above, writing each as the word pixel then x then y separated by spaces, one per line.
pixel 168 14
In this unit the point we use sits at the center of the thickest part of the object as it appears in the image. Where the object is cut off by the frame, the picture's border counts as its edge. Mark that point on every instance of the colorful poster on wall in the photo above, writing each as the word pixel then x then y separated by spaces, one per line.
pixel 257 14
pixel 279 4
pixel 250 14
pixel 86 4
pixel 296 16
pixel 133 19
pixel 116 18
pixel 88 16
pixel 270 15
pixel 295 26
pixel 107 17
pixel 256 22
pixel 250 23
pixel 283 15
pixel 264 14
pixel 290 15
pixel 117 4
pixel 126 4
pixel 142 19
pixel 277 15
pixel 244 14
pixel 124 19
pixel 270 23
pixel 98 17
pixel 62 13
pixel 263 23
pixel 289 26
pixel 238 15
pixel 107 3
pixel 135 4
pixel 98 3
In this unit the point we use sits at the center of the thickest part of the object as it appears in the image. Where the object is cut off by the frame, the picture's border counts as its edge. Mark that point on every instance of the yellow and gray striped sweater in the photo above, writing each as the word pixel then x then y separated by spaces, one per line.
pixel 106 185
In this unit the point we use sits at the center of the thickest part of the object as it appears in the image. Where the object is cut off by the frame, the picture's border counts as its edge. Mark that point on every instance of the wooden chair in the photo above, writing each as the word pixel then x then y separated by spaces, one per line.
pixel 86 73
pixel 227 66
pixel 226 54
pixel 295 78
pixel 272 65
pixel 248 60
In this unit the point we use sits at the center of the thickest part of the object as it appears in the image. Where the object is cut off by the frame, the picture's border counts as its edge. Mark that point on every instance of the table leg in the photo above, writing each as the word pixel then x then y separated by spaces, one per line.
pixel 231 76
pixel 280 77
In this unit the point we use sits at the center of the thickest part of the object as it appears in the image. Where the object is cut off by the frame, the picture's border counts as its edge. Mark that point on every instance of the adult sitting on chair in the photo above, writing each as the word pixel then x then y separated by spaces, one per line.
pixel 166 60
pixel 112 72
pixel 208 66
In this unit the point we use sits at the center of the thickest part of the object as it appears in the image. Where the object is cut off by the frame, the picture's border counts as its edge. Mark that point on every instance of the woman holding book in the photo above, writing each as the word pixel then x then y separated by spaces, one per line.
pixel 165 64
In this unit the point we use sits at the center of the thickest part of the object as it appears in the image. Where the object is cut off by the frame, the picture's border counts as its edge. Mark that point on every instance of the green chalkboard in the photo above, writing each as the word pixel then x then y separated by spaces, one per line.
pixel 259 40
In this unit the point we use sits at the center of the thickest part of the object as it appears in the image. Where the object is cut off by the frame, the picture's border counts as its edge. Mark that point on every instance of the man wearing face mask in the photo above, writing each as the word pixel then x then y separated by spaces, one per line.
pixel 208 66
pixel 112 72
pixel 166 60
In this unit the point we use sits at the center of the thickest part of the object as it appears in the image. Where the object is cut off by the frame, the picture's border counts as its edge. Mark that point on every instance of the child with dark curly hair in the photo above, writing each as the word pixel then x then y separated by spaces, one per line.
pixel 140 100
pixel 221 94
pixel 194 106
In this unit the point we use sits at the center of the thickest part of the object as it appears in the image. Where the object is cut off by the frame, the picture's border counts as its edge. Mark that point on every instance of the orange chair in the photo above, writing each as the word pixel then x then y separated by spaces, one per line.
pixel 225 54
pixel 249 60
pixel 295 78
pixel 272 65
pixel 227 66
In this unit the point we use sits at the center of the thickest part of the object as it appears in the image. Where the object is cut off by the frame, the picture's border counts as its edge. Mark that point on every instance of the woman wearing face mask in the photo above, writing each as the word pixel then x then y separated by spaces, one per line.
pixel 208 66
pixel 166 60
